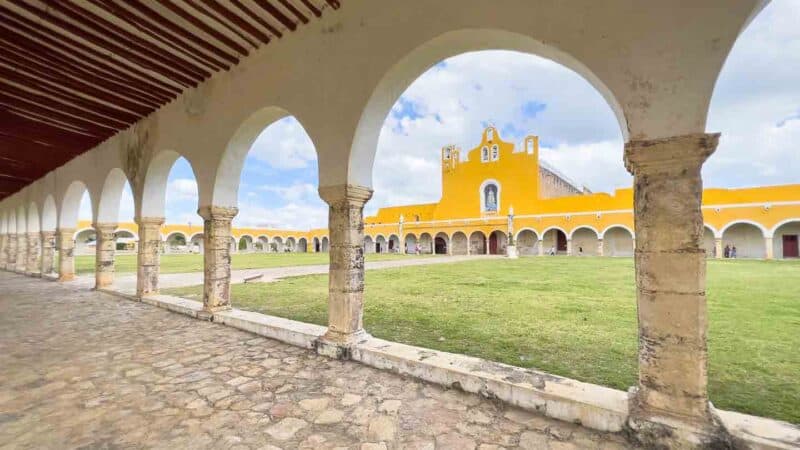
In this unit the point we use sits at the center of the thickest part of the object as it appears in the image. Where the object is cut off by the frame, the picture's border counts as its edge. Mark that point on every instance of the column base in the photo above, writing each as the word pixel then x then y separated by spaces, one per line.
pixel 69 277
pixel 657 429
pixel 339 345
pixel 208 312
pixel 34 274
pixel 512 252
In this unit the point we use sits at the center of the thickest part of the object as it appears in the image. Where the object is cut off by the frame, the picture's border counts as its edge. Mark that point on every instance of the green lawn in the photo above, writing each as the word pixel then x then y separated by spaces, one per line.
pixel 181 263
pixel 574 317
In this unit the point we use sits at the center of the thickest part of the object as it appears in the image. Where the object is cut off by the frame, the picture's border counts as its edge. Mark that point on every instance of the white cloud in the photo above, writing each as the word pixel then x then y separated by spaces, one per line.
pixel 182 189
pixel 284 145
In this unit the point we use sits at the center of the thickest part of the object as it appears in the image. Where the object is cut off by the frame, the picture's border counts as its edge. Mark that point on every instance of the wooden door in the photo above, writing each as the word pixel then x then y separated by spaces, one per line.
pixel 493 243
pixel 790 247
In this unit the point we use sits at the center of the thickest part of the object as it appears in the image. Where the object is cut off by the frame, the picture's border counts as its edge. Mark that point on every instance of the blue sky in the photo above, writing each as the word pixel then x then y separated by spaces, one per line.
pixel 756 106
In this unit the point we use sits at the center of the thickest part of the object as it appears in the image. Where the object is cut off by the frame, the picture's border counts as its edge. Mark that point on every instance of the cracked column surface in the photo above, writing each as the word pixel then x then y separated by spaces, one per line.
pixel 346 269
pixel 48 252
pixel 34 254
pixel 22 253
pixel 3 250
pixel 217 256
pixel 11 253
pixel 66 254
pixel 148 256
pixel 105 248
pixel 671 277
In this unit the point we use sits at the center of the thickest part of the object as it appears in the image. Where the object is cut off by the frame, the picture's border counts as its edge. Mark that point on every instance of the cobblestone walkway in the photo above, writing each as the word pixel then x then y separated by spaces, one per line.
pixel 81 369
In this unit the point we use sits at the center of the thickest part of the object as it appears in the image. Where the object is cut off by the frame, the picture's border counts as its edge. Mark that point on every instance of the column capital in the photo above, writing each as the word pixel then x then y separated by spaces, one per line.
pixel 669 154
pixel 48 232
pixel 351 194
pixel 65 230
pixel 151 221
pixel 217 212
pixel 105 226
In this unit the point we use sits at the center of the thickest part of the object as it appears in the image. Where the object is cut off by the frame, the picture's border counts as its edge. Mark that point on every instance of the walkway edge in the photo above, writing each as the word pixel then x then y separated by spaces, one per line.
pixel 593 406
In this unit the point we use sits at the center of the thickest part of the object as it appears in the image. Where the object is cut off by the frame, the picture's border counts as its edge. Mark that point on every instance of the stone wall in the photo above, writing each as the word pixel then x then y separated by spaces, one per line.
pixel 551 185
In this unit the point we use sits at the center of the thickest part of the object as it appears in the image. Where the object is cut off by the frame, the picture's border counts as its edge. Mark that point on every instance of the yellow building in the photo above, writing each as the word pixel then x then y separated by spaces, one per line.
pixel 498 190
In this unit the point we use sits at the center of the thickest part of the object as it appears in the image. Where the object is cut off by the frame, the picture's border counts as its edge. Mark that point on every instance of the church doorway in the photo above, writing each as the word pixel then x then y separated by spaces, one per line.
pixel 790 246
pixel 561 241
pixel 440 246
pixel 493 243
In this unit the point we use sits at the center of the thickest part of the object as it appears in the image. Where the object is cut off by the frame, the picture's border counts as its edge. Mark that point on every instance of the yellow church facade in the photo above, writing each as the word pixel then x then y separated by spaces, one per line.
pixel 500 198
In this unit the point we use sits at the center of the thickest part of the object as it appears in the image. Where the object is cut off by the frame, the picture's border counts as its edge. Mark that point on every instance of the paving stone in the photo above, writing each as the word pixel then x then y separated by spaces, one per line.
pixel 82 369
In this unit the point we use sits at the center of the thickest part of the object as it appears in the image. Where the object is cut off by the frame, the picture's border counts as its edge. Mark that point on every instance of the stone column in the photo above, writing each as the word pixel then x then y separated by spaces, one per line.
pixel 511 246
pixel 770 252
pixel 34 264
pixel 569 247
pixel 3 250
pixel 22 253
pixel 106 246
pixel 600 248
pixel 346 272
pixel 148 257
pixel 66 254
pixel 671 280
pixel 541 247
pixel 718 248
pixel 11 252
pixel 48 252
pixel 217 257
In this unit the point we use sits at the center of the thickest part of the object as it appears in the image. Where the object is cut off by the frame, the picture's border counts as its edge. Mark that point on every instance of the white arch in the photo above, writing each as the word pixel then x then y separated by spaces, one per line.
pixel 425 56
pixel 200 234
pixel 780 224
pixel 34 225
pixel 617 225
pixel 133 234
pixel 82 230
pixel 516 237
pixel 228 175
pixel 764 231
pixel 22 220
pixel 173 233
pixel 554 227
pixel 583 227
pixel 154 193
pixel 49 214
pixel 11 221
pixel 110 196
pixel 71 204
pixel 717 234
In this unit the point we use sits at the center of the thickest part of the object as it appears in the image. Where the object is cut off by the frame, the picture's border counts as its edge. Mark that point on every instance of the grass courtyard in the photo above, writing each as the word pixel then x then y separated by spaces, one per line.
pixel 574 317
pixel 182 263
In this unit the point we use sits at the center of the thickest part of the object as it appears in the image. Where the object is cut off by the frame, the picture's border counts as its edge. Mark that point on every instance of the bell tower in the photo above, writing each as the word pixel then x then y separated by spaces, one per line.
pixel 451 156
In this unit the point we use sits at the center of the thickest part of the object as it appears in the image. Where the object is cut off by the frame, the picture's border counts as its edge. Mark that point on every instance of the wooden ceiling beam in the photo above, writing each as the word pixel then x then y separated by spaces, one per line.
pixel 168 63
pixel 161 34
pixel 251 14
pixel 165 23
pixel 107 44
pixel 87 53
pixel 237 20
pixel 122 97
pixel 288 5
pixel 277 14
pixel 204 27
pixel 70 97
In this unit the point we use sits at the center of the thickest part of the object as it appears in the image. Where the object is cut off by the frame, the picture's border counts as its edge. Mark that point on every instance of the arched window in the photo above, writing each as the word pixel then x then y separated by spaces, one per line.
pixel 490 134
pixel 495 152
pixel 485 154
pixel 490 196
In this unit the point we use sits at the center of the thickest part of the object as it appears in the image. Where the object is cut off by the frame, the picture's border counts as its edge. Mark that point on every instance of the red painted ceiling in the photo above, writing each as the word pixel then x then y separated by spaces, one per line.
pixel 75 72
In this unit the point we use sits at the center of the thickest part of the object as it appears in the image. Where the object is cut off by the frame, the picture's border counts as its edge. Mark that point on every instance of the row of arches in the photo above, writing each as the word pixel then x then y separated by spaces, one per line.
pixel 177 242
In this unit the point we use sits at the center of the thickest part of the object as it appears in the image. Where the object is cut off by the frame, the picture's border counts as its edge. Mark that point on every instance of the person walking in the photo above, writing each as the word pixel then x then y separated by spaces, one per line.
pixel 727 252
pixel 733 252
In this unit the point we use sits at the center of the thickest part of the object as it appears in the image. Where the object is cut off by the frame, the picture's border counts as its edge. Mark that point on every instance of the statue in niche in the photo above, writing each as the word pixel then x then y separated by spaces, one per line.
pixel 490 200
